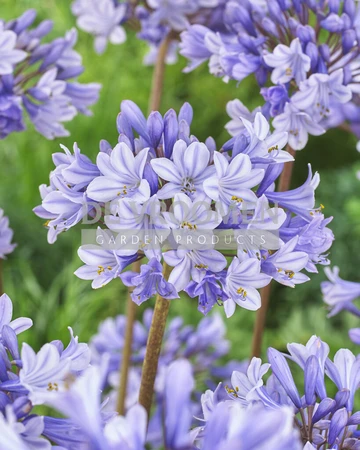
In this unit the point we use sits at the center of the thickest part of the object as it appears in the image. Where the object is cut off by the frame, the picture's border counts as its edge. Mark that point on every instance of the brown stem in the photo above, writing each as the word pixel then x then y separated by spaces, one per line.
pixel 154 104
pixel 158 77
pixel 285 177
pixel 153 348
pixel 127 349
pixel 260 321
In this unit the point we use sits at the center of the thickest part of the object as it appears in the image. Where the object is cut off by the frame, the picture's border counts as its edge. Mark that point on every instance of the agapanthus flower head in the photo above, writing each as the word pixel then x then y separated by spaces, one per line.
pixel 308 50
pixel 321 421
pixel 6 236
pixel 40 78
pixel 157 19
pixel 170 201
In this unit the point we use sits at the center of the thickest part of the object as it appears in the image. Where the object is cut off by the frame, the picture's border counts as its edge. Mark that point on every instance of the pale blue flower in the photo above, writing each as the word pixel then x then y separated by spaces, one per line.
pixel 339 294
pixel 122 176
pixel 318 91
pixel 298 124
pixel 231 185
pixel 242 281
pixel 6 235
pixel 102 19
pixel 186 172
pixel 9 54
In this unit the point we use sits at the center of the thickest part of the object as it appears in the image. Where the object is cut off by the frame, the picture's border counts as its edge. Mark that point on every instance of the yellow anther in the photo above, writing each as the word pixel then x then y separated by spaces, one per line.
pixel 109 268
pixel 241 291
pixel 290 273
pixel 100 270
pixel 46 224
pixel 53 387
pixel 288 71
pixel 201 266
pixel 275 147
pixel 237 199
pixel 188 225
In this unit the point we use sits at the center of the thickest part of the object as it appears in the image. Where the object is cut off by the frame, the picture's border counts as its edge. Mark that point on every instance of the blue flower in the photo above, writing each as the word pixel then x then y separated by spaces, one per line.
pixel 289 63
pixel 339 294
pixel 186 173
pixel 122 176
pixel 242 280
pixel 9 54
pixel 149 282
pixel 6 235
pixel 102 19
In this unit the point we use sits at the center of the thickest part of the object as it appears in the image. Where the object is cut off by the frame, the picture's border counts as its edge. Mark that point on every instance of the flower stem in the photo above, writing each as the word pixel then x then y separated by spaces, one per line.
pixel 127 349
pixel 260 321
pixel 153 348
pixel 158 77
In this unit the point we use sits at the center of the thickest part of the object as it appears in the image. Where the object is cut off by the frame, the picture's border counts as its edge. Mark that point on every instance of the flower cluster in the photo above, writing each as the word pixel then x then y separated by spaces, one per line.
pixel 38 77
pixel 6 235
pixel 309 50
pixel 177 202
pixel 322 421
pixel 157 19
pixel 63 379
pixel 203 347
pixel 339 295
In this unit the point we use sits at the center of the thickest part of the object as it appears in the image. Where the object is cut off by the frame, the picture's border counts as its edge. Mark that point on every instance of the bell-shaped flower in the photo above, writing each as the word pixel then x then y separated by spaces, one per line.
pixel 9 54
pixel 245 385
pixel 192 264
pixel 242 281
pixel 231 185
pixel 338 293
pixel 285 264
pixel 6 235
pixel 122 176
pixel 298 124
pixel 300 200
pixel 317 93
pixel 345 373
pixel 101 264
pixel 289 63
pixel 186 172
pixel 6 311
pixel 149 282
pixel 263 147
pixel 42 371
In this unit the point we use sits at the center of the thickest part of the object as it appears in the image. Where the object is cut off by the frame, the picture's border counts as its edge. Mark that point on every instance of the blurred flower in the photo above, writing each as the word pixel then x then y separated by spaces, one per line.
pixel 35 76
pixel 6 235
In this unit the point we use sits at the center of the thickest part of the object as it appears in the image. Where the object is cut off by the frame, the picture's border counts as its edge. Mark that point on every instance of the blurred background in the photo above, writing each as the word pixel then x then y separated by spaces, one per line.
pixel 39 277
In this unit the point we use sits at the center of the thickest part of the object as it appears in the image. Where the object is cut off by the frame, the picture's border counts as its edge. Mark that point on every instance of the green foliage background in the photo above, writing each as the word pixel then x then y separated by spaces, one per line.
pixel 39 277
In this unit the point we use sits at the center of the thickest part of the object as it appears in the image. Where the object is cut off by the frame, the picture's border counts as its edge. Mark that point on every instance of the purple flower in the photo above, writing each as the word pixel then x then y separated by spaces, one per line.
pixel 6 311
pixel 232 183
pixel 289 63
pixel 242 281
pixel 42 371
pixel 298 124
pixel 6 235
pixel 102 19
pixel 101 265
pixel 338 293
pixel 122 176
pixel 186 172
pixel 9 55
pixel 285 264
pixel 316 93
pixel 238 111
pixel 192 264
pixel 148 282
